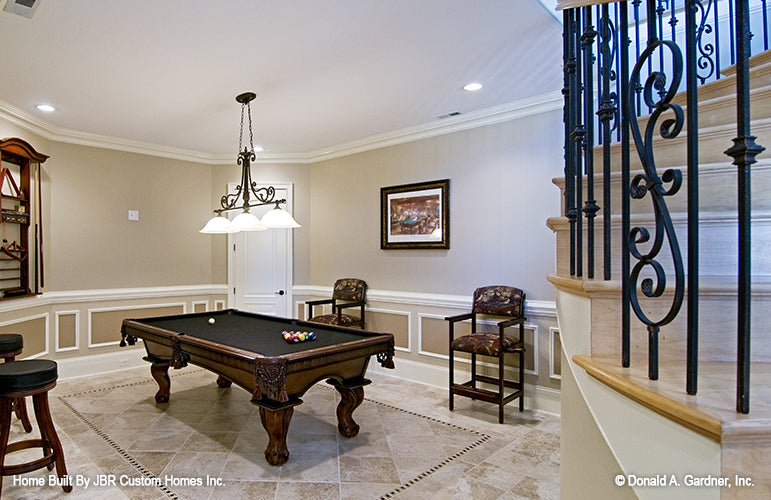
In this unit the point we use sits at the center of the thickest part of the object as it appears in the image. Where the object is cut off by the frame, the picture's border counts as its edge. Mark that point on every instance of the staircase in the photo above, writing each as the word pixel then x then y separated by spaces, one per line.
pixel 617 422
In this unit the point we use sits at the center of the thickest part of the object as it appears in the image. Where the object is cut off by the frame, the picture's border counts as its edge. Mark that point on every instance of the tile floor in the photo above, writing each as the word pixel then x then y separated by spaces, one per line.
pixel 410 445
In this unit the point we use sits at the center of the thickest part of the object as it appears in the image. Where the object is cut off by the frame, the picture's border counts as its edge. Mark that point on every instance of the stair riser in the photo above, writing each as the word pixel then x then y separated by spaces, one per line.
pixel 717 243
pixel 760 76
pixel 720 110
pixel 717 328
pixel 672 152
pixel 717 191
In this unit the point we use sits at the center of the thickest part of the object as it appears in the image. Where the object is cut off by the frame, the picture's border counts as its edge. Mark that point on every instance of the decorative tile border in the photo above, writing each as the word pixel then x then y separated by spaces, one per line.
pixel 174 496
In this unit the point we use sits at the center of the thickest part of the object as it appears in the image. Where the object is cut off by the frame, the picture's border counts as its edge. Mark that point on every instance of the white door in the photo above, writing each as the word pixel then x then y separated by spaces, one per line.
pixel 260 263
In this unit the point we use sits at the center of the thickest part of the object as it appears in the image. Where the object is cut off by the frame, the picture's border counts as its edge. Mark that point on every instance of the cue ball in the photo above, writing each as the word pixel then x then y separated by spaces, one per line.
pixel 211 321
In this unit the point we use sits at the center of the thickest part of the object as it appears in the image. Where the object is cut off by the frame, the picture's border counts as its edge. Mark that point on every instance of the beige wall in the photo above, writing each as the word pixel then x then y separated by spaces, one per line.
pixel 99 264
pixel 500 196
pixel 92 243
pixel 88 241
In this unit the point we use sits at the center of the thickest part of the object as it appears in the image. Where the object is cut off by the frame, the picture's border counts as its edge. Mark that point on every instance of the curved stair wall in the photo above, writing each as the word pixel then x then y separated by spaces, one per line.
pixel 605 434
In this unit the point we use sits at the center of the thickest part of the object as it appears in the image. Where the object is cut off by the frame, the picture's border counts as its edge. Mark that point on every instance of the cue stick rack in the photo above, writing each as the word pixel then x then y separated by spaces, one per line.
pixel 21 222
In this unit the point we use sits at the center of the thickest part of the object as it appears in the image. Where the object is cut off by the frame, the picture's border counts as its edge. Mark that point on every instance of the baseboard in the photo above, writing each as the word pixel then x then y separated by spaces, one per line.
pixel 536 397
pixel 95 364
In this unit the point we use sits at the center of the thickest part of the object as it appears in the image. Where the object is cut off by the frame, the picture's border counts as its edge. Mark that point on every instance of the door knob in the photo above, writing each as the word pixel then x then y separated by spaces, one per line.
pixel 280 292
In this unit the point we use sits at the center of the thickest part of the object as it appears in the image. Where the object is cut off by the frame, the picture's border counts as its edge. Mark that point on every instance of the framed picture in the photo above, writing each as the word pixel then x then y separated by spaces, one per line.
pixel 415 216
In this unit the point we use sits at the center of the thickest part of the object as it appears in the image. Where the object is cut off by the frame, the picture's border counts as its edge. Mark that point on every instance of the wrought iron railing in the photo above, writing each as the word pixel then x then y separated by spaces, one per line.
pixel 627 60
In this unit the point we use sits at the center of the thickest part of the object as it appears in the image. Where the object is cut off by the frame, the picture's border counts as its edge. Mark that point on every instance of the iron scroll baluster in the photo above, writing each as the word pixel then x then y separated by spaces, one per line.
pixel 626 112
pixel 651 182
pixel 743 152
pixel 579 148
pixel 692 147
pixel 571 94
pixel 706 49
pixel 590 205
pixel 608 111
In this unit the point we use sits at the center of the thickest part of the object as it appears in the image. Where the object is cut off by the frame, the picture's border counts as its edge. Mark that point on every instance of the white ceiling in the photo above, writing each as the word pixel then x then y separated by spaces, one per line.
pixel 326 72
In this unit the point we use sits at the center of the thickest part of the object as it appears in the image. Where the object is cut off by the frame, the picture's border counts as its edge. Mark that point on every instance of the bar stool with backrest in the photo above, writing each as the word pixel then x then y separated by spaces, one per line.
pixel 18 379
pixel 11 345
pixel 502 301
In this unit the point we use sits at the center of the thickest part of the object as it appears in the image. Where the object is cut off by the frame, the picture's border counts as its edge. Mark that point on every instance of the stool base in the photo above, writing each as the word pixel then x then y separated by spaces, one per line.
pixel 53 454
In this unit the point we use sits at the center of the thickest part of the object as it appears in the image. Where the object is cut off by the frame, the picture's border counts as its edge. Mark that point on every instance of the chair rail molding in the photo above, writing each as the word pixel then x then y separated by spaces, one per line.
pixel 539 308
pixel 104 294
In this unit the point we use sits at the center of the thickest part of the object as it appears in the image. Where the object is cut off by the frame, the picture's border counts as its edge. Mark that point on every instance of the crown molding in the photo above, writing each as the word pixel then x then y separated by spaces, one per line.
pixel 71 136
pixel 488 116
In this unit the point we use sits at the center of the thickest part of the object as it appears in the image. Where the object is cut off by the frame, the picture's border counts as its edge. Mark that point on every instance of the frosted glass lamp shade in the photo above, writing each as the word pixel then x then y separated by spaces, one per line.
pixel 279 218
pixel 248 222
pixel 218 225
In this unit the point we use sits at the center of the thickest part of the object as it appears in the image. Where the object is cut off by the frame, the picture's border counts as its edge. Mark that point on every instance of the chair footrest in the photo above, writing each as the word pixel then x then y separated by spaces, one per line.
pixel 494 381
pixel 483 394
pixel 476 393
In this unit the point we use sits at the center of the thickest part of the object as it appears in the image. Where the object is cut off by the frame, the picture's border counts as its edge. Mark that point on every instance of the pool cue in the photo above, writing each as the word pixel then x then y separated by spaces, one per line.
pixel 37 287
pixel 39 228
pixel 33 187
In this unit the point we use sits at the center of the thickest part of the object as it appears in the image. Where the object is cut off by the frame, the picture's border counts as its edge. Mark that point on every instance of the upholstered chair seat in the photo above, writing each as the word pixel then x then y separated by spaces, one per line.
pixel 488 344
pixel 347 293
pixel 334 319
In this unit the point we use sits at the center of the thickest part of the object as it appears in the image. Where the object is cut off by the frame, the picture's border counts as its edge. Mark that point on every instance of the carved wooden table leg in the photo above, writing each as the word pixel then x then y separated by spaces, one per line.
pixel 160 372
pixel 350 399
pixel 223 382
pixel 276 423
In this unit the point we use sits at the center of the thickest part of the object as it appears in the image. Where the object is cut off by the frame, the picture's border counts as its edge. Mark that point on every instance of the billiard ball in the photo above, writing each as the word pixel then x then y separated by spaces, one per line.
pixel 211 321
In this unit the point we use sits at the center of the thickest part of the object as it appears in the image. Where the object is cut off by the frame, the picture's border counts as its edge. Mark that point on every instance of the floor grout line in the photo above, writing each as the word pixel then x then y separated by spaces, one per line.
pixel 126 455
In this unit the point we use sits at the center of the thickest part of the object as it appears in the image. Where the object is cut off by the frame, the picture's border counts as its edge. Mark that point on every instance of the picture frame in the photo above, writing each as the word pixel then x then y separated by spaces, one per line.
pixel 415 216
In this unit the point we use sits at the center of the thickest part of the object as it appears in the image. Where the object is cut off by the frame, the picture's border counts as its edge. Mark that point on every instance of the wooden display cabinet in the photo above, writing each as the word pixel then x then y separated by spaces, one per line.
pixel 21 241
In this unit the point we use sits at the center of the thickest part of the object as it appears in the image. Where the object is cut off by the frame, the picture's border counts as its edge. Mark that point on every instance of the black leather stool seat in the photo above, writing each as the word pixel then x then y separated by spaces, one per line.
pixel 11 342
pixel 11 345
pixel 27 374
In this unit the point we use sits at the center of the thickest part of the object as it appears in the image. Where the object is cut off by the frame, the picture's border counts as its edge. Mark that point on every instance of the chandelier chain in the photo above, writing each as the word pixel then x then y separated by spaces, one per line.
pixel 251 135
pixel 241 128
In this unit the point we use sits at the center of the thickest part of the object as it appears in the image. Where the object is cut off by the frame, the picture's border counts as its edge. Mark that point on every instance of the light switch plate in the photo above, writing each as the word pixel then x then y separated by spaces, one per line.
pixel 133 215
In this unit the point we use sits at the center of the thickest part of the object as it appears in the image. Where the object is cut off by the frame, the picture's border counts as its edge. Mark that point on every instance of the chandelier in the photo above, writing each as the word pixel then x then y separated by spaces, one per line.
pixel 248 192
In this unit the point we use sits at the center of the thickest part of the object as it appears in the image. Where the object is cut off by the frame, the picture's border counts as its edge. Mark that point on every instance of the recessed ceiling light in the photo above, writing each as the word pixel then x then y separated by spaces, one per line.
pixel 45 107
pixel 471 87
pixel 258 148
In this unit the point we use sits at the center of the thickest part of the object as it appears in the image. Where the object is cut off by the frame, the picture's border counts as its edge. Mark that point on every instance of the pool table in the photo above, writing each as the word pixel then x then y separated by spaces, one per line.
pixel 249 349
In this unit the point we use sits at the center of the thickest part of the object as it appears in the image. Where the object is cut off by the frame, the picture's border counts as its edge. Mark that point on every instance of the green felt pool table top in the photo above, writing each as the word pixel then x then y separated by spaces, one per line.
pixel 255 332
